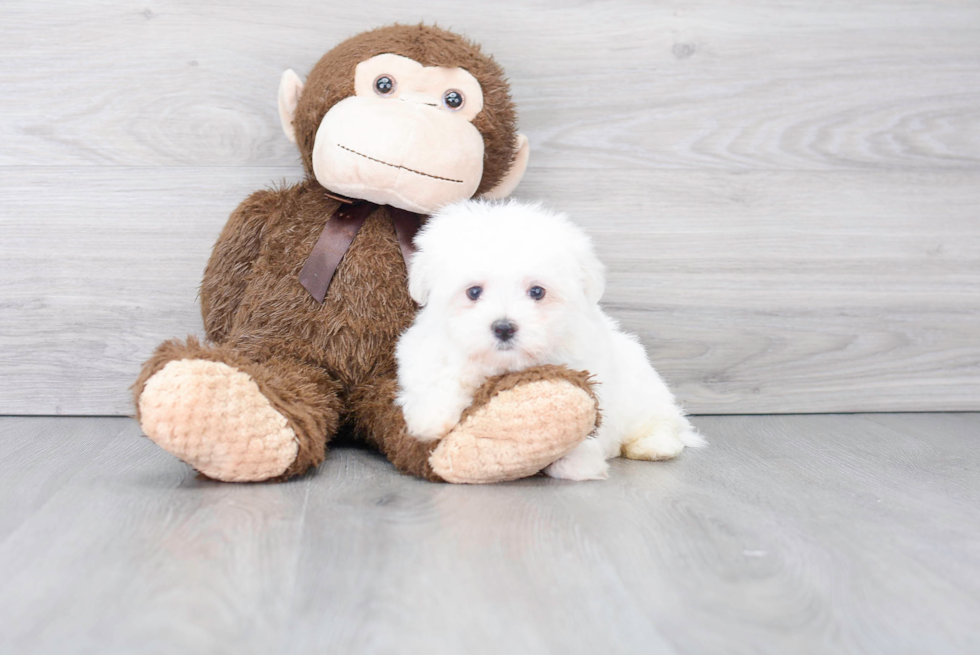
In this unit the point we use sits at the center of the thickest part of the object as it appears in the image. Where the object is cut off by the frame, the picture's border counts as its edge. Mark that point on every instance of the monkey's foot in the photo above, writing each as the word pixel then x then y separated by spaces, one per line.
pixel 517 425
pixel 214 417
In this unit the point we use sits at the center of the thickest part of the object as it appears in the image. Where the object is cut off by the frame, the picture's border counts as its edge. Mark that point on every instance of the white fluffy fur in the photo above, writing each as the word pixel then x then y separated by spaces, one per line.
pixel 450 350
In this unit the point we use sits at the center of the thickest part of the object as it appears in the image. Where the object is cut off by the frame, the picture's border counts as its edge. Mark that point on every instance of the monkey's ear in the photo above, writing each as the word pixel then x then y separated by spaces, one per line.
pixel 514 175
pixel 290 88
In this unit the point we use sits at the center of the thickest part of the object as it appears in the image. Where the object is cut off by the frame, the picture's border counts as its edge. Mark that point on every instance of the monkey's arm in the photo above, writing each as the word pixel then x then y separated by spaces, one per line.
pixel 227 272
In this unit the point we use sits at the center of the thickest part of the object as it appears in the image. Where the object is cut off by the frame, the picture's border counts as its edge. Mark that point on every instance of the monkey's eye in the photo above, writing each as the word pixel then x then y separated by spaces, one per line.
pixel 384 85
pixel 536 293
pixel 453 99
pixel 474 292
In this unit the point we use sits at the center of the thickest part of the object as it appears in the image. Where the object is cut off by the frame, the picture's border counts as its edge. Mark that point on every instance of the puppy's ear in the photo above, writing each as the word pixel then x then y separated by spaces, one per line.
pixel 420 277
pixel 592 270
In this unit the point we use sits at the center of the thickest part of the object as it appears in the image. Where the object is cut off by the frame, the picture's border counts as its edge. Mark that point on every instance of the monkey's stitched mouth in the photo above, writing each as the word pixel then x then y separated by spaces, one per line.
pixel 404 168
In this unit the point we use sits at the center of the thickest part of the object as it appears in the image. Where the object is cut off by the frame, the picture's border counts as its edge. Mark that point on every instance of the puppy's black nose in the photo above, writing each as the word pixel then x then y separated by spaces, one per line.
pixel 504 329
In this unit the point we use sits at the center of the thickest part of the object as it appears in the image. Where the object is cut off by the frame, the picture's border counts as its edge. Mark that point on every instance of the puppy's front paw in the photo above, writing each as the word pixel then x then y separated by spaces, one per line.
pixel 586 462
pixel 428 427
pixel 426 418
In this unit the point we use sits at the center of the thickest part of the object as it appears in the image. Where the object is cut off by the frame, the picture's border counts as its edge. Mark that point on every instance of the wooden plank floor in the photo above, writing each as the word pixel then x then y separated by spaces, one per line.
pixel 789 534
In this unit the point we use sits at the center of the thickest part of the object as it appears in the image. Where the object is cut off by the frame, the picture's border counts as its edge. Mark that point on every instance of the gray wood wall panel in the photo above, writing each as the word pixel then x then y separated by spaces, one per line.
pixel 787 195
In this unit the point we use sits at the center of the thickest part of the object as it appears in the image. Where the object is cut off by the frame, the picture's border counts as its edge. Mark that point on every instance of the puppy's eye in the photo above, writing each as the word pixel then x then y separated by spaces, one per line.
pixel 384 85
pixel 474 292
pixel 453 99
pixel 536 293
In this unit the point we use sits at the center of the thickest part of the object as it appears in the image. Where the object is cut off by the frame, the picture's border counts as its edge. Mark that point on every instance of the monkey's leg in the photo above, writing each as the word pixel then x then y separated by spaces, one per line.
pixel 518 424
pixel 232 418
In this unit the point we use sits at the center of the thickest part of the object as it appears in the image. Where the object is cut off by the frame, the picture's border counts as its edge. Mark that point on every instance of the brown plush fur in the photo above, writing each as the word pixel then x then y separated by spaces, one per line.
pixel 324 365
pixel 313 362
pixel 332 80
pixel 309 400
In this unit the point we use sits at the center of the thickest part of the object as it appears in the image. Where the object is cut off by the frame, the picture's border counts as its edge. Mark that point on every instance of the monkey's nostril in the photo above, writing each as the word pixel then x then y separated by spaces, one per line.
pixel 504 329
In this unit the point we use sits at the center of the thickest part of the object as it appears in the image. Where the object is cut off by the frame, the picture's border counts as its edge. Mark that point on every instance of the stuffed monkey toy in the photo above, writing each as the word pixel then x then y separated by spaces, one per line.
pixel 305 293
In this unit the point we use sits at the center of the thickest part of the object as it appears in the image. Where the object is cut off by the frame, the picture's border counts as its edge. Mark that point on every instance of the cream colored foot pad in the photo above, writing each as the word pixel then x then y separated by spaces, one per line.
pixel 515 435
pixel 214 417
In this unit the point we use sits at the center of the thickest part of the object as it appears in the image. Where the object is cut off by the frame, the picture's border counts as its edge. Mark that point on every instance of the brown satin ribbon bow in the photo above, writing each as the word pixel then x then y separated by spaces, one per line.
pixel 339 233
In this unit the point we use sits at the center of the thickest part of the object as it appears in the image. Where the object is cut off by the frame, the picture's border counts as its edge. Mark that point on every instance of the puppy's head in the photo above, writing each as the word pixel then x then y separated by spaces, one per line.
pixel 509 280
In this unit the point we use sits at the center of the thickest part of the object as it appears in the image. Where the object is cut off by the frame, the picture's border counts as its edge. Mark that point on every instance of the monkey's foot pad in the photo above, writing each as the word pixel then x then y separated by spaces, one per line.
pixel 516 433
pixel 214 417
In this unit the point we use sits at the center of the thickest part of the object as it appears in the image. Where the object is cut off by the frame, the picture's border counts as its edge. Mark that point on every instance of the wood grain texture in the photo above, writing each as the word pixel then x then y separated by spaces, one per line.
pixel 744 85
pixel 787 196
pixel 131 538
pixel 788 534
pixel 753 292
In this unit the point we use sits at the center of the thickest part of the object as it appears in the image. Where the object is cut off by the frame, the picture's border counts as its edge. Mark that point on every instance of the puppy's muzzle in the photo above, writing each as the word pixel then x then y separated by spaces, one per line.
pixel 504 329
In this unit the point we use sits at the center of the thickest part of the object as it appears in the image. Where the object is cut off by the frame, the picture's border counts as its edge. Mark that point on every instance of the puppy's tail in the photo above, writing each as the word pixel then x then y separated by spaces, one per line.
pixel 690 437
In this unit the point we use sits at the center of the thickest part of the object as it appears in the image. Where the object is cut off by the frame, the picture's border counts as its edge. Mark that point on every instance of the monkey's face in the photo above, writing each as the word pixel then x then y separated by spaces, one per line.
pixel 406 115
pixel 405 138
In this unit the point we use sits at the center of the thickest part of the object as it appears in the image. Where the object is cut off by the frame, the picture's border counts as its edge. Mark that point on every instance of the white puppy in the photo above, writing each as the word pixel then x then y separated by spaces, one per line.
pixel 505 286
